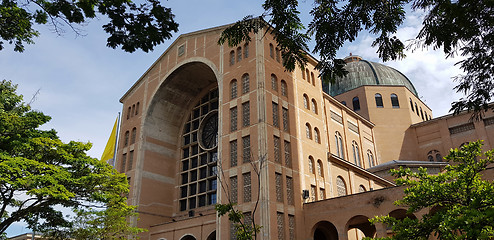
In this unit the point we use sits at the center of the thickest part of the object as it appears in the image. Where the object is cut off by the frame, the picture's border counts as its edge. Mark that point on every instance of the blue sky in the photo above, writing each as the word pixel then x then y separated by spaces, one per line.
pixel 80 80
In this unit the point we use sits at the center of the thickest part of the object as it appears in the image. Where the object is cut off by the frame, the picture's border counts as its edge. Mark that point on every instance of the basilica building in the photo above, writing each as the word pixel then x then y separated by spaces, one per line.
pixel 208 123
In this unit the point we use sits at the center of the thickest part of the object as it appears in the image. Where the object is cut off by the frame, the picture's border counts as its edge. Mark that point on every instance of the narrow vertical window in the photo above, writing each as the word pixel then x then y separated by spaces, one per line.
pixel 308 131
pixel 233 89
pixel 307 74
pixel 322 194
pixel 246 149
pixel 319 168
pixel 233 119
pixel 283 89
pixel 233 189
pixel 274 82
pixel 370 158
pixel 133 110
pixel 137 108
pixel 131 160
pixel 394 101
pixel 314 106
pixel 288 158
pixel 356 104
pixel 291 227
pixel 303 73
pixel 276 117
pixel 278 55
pixel 313 79
pixel 306 101
pixel 284 113
pixel 126 138
pixel 246 50
pixel 247 187
pixel 245 83
pixel 289 190
pixel 124 161
pixel 232 58
pixel 280 221
pixel 128 112
pixel 411 105
pixel 133 136
pixel 313 193
pixel 279 187
pixel 417 110
pixel 271 51
pixel 245 114
pixel 239 54
pixel 316 135
pixel 421 113
pixel 339 145
pixel 311 165
pixel 356 154
pixel 277 150
pixel 379 100
pixel 341 186
pixel 233 153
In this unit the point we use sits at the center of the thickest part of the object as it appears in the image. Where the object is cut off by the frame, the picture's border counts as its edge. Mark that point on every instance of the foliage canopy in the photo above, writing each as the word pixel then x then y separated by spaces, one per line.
pixel 462 27
pixel 461 202
pixel 53 186
pixel 132 26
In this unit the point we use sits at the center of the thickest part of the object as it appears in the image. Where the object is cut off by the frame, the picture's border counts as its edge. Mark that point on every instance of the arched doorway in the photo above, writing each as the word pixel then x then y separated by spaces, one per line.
pixel 188 237
pixel 212 236
pixel 324 230
pixel 361 227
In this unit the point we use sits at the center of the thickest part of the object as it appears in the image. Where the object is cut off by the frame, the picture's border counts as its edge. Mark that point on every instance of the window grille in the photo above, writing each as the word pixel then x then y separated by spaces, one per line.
pixel 233 153
pixel 288 159
pixel 276 118
pixel 233 119
pixel 277 150
pixel 247 187
pixel 279 186
pixel 246 149
pixel 245 114
pixel 341 187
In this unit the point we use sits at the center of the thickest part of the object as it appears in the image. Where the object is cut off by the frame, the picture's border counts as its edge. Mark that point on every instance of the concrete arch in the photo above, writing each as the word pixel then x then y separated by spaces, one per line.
pixel 324 230
pixel 212 236
pixel 361 223
pixel 401 214
pixel 188 237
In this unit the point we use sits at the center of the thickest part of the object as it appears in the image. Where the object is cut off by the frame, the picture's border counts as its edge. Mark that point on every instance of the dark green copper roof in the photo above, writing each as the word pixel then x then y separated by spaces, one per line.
pixel 365 73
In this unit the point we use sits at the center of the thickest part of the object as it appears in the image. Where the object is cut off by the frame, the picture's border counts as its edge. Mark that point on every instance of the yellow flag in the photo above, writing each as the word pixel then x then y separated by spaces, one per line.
pixel 111 145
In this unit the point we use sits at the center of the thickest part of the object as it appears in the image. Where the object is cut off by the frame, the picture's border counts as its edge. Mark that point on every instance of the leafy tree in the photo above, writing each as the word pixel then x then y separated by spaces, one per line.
pixel 462 27
pixel 54 186
pixel 461 202
pixel 131 26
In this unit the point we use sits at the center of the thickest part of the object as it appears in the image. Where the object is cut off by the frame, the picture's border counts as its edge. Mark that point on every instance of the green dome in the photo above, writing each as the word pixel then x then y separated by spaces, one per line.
pixel 365 73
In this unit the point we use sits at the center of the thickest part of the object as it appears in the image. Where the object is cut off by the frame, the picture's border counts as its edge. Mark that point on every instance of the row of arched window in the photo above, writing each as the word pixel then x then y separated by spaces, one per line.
pixel 434 155
pixel 316 167
pixel 308 132
pixel 422 114
pixel 283 86
pixel 355 150
pixel 132 137
pixel 245 86
pixel 341 188
pixel 239 53
pixel 309 76
pixel 394 100
pixel 274 53
pixel 313 104
pixel 133 111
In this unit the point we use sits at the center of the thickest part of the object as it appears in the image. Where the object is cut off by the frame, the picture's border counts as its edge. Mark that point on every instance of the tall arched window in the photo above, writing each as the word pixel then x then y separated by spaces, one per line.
pixel 394 101
pixel 239 54
pixel 356 154
pixel 246 50
pixel 314 106
pixel 245 83
pixel 306 101
pixel 307 74
pixel 274 82
pixel 421 113
pixel 133 136
pixel 128 112
pixel 356 104
pixel 232 58
pixel 313 79
pixel 317 137
pixel 311 165
pixel 319 168
pixel 340 186
pixel 137 108
pixel 339 145
pixel 126 138
pixel 277 55
pixel 284 89
pixel 308 131
pixel 379 100
pixel 411 105
pixel 370 157
pixel 233 89
pixel 425 115
pixel 271 51
pixel 303 73
pixel 417 110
